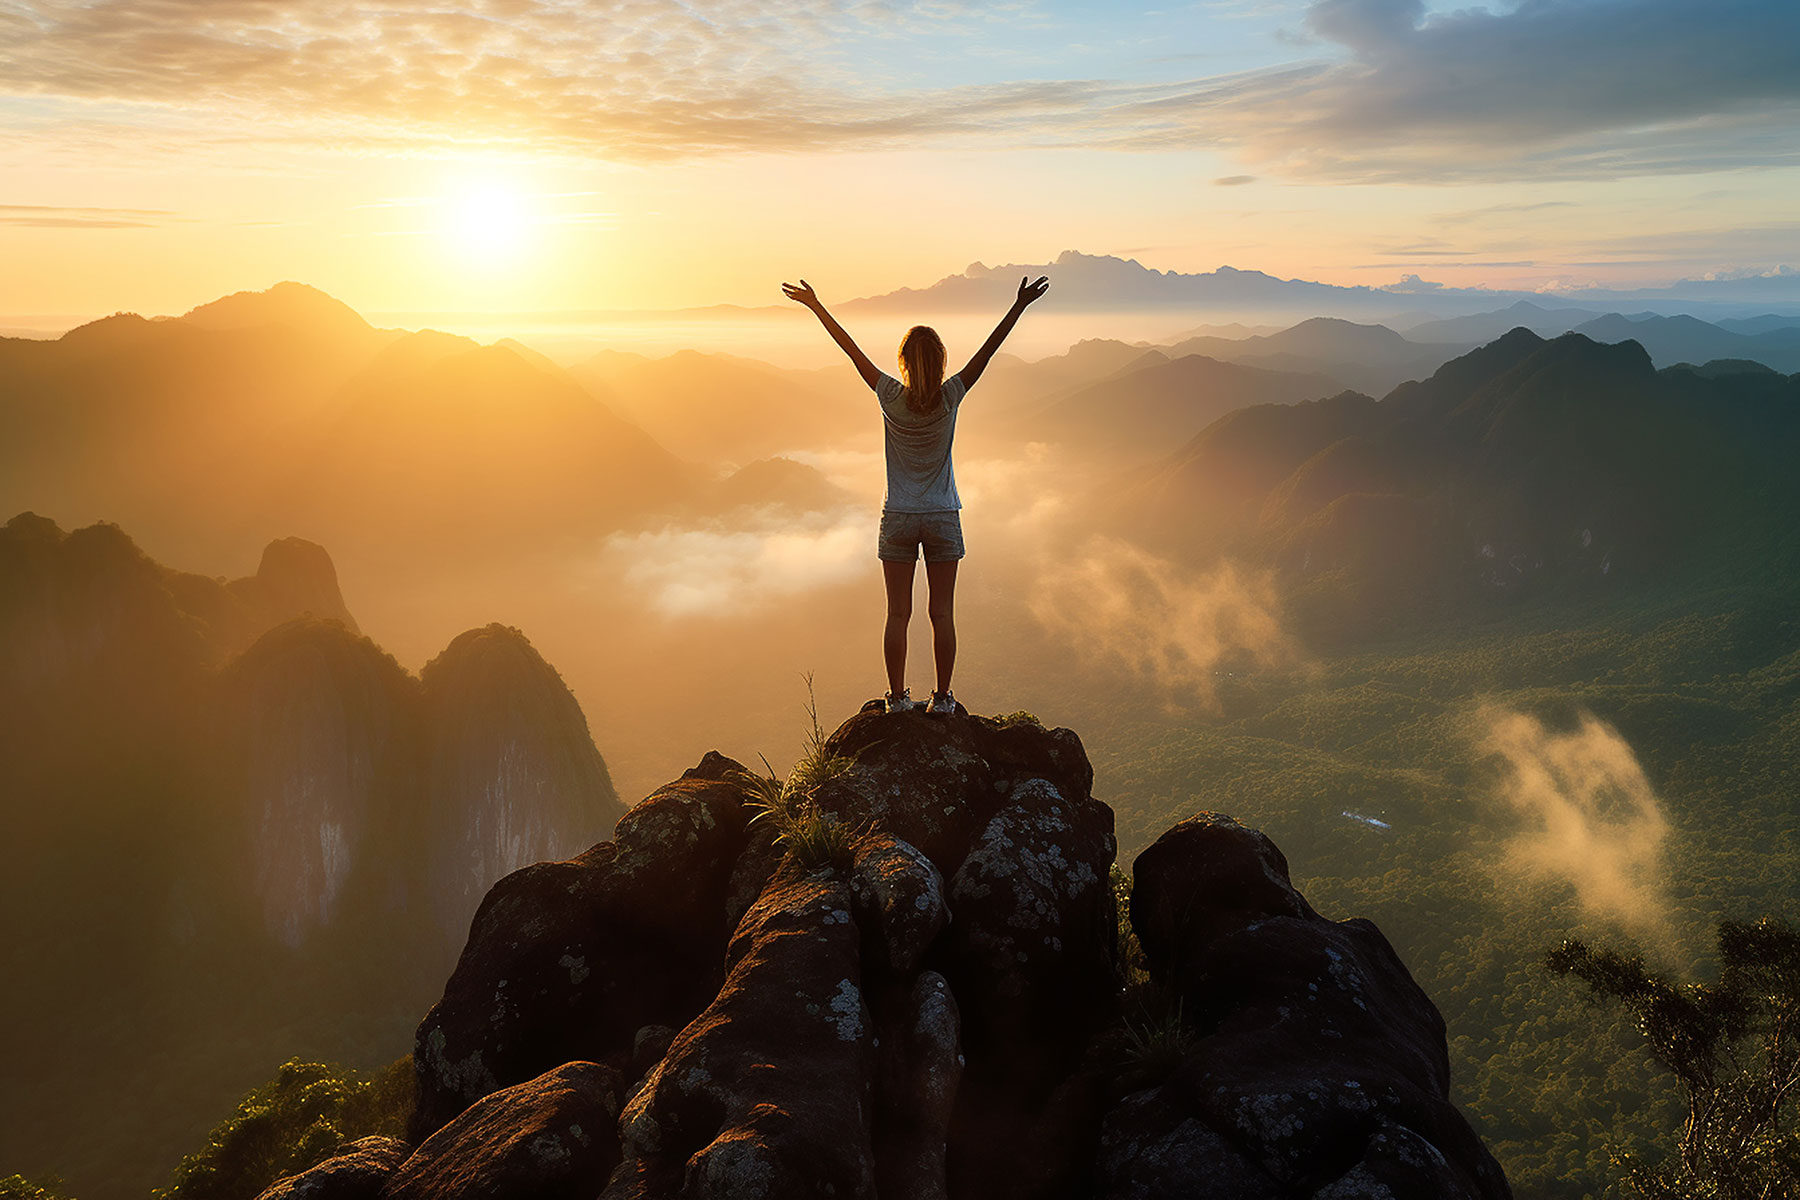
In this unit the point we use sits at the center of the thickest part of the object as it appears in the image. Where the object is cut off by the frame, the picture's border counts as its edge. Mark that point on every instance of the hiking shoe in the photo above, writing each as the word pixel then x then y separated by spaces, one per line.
pixel 901 701
pixel 942 702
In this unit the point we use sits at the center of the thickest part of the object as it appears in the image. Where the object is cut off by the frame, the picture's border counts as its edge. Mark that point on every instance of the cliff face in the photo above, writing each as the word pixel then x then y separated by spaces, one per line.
pixel 512 774
pixel 347 775
pixel 939 1007
pixel 325 744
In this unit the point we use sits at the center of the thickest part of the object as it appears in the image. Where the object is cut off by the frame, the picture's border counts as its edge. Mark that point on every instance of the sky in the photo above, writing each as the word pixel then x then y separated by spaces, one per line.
pixel 550 155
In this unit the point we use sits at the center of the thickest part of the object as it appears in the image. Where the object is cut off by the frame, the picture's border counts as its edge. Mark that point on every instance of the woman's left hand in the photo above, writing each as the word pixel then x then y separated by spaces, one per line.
pixel 1029 292
pixel 804 293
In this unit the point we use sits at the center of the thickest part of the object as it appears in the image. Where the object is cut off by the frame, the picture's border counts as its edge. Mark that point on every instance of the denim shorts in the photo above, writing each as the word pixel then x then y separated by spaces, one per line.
pixel 902 533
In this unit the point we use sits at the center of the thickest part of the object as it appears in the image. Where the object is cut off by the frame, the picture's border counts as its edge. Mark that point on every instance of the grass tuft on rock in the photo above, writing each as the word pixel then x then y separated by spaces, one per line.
pixel 813 837
pixel 1157 1038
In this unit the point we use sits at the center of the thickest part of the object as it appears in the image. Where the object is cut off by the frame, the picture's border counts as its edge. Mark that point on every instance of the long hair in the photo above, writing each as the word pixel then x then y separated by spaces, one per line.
pixel 922 368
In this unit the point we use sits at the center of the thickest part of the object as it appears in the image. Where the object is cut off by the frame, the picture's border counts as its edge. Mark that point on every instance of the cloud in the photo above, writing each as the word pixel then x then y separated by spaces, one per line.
pixel 50 216
pixel 1366 25
pixel 1578 89
pixel 1234 180
pixel 1547 88
pixel 1496 210
pixel 1697 250
pixel 1778 271
pixel 1174 631
pixel 1591 818
pixel 633 79
pixel 718 570
pixel 1594 88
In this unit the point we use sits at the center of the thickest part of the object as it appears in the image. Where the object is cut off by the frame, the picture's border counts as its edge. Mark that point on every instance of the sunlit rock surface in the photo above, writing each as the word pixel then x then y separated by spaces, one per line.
pixel 939 1010
pixel 357 1171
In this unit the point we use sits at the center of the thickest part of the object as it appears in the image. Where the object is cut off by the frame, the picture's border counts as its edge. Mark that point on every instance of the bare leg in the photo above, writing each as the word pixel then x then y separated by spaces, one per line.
pixel 940 581
pixel 899 578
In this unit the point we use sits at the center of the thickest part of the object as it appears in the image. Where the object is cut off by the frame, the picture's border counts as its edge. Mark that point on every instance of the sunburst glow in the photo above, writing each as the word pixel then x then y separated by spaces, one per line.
pixel 489 223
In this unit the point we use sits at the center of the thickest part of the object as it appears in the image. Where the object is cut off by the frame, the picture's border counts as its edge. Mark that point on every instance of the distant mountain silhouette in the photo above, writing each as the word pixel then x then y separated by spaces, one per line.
pixel 1103 283
pixel 1679 339
pixel 1138 413
pixel 1522 465
pixel 89 600
pixel 285 409
pixel 1479 328
pixel 1235 330
pixel 1090 282
pixel 779 484
pixel 1762 324
pixel 1368 358
pixel 720 408
pixel 1011 384
pixel 170 423
pixel 467 447
pixel 291 305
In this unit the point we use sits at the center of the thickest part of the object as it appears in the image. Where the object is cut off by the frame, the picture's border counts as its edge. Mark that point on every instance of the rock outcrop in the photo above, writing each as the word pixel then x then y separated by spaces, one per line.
pixel 295 578
pixel 549 1138
pixel 514 777
pixel 930 1005
pixel 569 961
pixel 1317 1066
pixel 358 1171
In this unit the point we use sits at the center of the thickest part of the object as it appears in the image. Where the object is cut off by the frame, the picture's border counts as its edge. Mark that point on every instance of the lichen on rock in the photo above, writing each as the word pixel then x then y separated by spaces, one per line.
pixel 939 1015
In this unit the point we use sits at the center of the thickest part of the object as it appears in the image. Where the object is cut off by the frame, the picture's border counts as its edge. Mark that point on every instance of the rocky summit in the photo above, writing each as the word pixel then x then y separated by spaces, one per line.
pixel 941 1000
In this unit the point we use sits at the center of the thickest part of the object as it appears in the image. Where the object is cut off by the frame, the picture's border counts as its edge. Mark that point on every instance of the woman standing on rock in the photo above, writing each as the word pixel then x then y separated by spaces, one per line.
pixel 921 508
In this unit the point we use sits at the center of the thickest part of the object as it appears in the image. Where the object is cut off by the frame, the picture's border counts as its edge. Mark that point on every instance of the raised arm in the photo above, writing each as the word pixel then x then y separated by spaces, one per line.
pixel 1028 292
pixel 804 294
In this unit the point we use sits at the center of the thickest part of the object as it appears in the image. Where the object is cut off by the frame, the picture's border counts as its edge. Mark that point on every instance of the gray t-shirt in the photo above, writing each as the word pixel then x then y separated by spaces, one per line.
pixel 919 475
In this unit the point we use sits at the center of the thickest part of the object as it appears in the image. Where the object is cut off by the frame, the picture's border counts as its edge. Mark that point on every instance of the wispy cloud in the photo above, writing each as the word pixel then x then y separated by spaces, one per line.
pixel 720 570
pixel 630 78
pixel 1571 88
pixel 50 216
pixel 1500 210
pixel 1591 817
pixel 1173 631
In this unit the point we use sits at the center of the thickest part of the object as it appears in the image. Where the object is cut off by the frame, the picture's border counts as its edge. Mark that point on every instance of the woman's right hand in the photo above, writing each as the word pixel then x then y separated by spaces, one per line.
pixel 1033 291
pixel 803 293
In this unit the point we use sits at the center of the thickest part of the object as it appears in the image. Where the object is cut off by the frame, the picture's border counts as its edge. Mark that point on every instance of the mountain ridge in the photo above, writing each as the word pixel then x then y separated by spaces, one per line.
pixel 1525 465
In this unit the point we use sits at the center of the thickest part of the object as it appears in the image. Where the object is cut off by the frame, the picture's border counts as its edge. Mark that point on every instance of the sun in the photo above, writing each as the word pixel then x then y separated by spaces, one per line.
pixel 489 223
